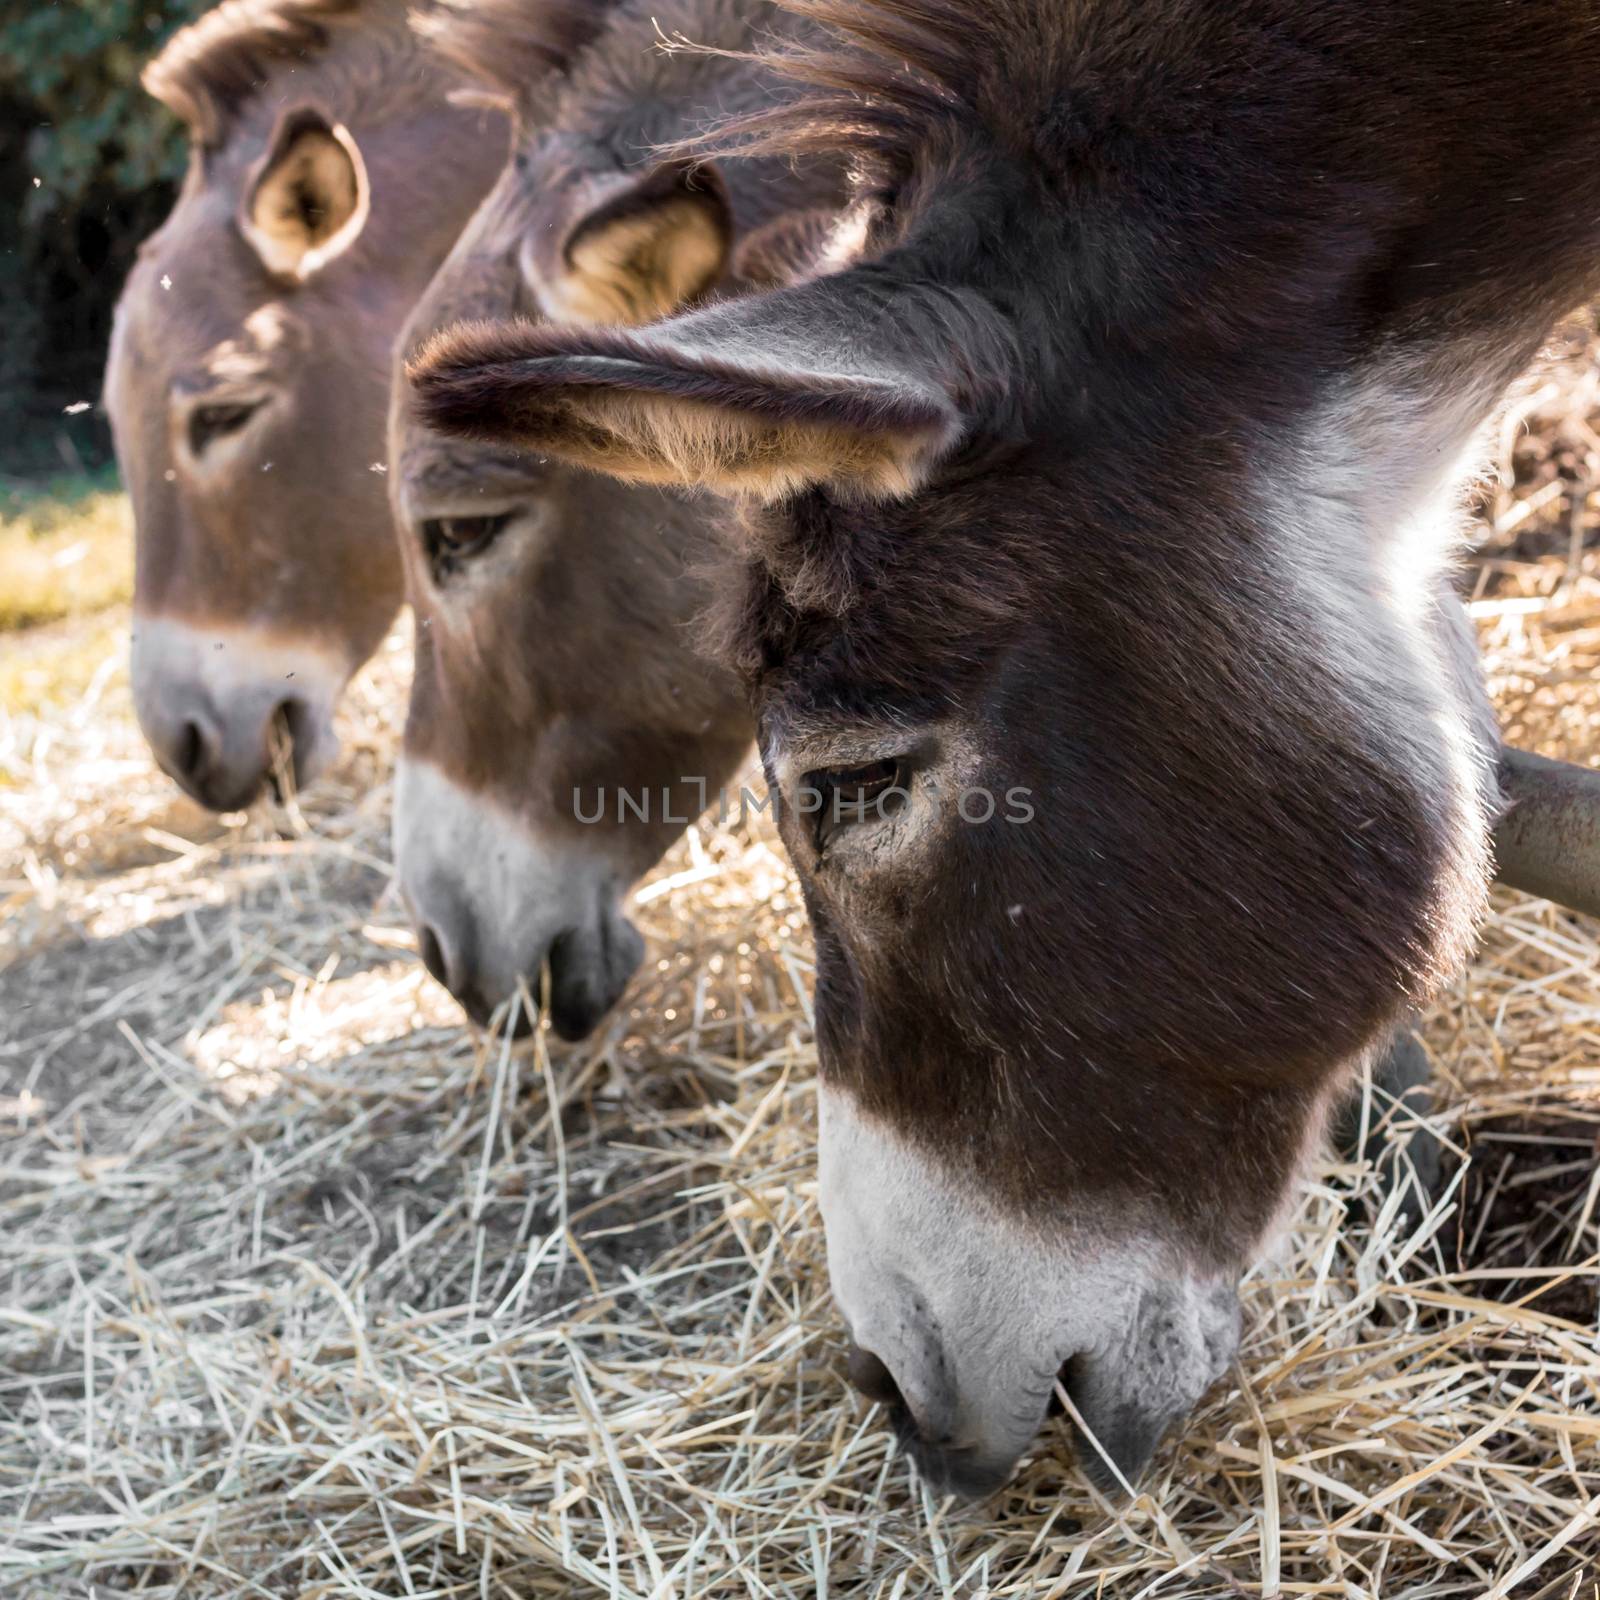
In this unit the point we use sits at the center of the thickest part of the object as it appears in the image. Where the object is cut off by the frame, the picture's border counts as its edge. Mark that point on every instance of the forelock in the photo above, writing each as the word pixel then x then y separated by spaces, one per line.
pixel 880 80
pixel 210 69
pixel 511 45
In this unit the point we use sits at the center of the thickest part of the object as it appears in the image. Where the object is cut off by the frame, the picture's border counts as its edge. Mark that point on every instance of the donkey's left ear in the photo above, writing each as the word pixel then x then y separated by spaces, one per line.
pixel 845 382
pixel 307 199
pixel 632 247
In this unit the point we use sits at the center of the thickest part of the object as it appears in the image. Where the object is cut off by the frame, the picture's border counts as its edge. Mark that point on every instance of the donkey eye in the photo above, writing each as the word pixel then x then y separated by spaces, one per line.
pixel 207 424
pixel 452 539
pixel 846 795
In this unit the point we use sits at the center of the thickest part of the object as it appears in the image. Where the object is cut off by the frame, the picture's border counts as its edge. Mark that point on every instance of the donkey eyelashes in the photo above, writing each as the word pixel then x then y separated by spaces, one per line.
pixel 218 420
pixel 452 541
pixel 838 798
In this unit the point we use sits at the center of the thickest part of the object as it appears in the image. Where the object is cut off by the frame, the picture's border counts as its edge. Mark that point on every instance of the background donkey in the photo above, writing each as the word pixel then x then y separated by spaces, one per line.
pixel 248 373
pixel 1116 459
pixel 562 729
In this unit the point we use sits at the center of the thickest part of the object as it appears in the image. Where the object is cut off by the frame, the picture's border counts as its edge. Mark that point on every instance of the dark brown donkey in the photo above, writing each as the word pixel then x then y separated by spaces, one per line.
pixel 562 729
pixel 1113 459
pixel 248 377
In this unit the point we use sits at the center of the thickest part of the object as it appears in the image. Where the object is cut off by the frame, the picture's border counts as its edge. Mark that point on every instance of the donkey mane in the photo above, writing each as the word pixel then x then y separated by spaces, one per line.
pixel 510 44
pixel 210 69
pixel 880 77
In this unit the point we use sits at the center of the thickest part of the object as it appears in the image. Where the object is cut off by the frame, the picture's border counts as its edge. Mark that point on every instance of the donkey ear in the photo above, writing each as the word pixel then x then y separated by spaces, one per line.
pixel 307 199
pixel 840 382
pixel 633 248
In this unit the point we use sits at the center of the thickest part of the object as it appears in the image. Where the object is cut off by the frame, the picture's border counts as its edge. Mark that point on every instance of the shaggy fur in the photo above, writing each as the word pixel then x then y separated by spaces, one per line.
pixel 513 45
pixel 878 80
pixel 787 250
pixel 598 96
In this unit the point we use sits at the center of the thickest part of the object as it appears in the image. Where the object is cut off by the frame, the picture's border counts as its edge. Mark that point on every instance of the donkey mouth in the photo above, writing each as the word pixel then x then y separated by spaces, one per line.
pixel 1113 1460
pixel 508 1017
pixel 299 746
pixel 508 983
pixel 948 1469
pixel 581 977
pixel 588 974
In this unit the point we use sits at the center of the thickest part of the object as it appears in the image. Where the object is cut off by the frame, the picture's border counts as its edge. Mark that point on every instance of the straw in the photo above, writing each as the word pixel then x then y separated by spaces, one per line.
pixel 305 1290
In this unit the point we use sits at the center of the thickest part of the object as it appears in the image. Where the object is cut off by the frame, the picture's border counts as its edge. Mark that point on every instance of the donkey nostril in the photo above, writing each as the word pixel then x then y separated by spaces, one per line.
pixel 872 1378
pixel 190 752
pixel 1055 1408
pixel 432 953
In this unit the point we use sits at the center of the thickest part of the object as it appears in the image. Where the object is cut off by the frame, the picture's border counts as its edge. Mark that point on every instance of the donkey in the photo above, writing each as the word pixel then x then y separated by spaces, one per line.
pixel 563 729
pixel 1111 455
pixel 328 174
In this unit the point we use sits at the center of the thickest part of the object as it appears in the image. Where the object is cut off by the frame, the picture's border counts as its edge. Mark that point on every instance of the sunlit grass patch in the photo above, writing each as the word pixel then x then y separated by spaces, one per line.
pixel 65 551
pixel 51 669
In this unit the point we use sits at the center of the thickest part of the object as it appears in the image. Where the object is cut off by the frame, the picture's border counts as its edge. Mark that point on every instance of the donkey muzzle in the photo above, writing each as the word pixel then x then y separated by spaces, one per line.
pixel 587 969
pixel 497 905
pixel 227 711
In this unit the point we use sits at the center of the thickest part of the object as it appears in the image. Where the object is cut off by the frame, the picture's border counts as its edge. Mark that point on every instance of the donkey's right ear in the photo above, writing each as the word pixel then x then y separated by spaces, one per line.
pixel 845 382
pixel 307 199
pixel 630 248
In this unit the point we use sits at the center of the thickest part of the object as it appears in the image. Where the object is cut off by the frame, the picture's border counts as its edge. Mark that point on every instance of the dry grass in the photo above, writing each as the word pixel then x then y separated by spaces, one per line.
pixel 304 1290
pixel 63 554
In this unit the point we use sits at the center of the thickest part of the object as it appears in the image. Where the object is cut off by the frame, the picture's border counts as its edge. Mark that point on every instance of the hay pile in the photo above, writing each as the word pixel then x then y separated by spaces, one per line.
pixel 305 1290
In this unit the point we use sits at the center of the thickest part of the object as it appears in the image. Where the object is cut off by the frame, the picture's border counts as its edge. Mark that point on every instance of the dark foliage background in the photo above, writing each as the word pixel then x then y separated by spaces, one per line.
pixel 88 165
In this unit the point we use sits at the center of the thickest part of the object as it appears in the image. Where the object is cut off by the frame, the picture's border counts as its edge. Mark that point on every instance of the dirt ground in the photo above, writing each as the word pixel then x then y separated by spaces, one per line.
pixel 307 1289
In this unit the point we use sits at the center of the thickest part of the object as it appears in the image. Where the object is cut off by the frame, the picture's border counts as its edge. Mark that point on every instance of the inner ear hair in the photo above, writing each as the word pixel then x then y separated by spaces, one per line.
pixel 830 383
pixel 309 197
pixel 649 438
pixel 654 249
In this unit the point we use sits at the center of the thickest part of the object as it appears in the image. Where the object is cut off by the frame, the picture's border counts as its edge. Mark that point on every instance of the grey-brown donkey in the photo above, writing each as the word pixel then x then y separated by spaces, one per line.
pixel 329 172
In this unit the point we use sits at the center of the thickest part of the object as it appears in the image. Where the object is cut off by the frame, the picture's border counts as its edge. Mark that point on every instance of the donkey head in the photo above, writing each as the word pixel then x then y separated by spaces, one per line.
pixel 1094 491
pixel 246 383
pixel 563 727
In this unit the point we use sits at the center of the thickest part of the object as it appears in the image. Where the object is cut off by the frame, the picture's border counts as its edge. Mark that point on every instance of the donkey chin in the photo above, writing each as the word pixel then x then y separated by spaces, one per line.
pixel 495 905
pixel 228 709
pixel 971 1357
